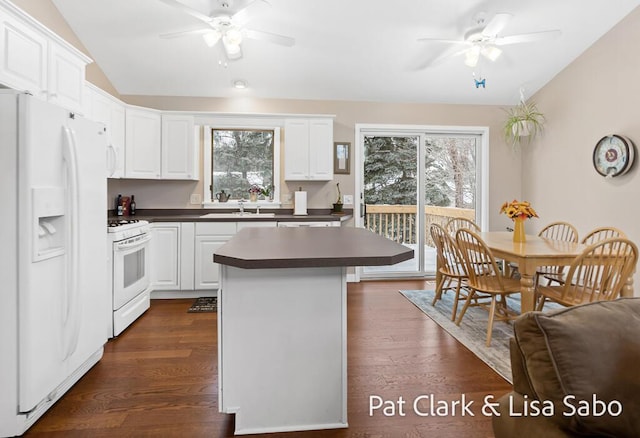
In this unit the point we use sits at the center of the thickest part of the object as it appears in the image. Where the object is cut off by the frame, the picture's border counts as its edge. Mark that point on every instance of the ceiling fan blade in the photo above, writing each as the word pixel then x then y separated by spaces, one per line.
pixel 200 30
pixel 495 26
pixel 271 37
pixel 186 9
pixel 244 15
pixel 439 59
pixel 527 37
pixel 441 40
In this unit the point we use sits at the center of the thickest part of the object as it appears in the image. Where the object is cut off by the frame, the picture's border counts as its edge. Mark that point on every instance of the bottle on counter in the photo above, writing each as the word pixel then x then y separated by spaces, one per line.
pixel 132 206
pixel 119 209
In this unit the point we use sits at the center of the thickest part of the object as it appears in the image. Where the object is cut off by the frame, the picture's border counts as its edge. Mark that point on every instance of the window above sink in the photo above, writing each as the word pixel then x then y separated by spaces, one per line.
pixel 237 157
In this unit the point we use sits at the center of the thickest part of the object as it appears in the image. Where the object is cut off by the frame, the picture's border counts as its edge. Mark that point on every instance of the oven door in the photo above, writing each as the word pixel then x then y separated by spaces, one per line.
pixel 130 269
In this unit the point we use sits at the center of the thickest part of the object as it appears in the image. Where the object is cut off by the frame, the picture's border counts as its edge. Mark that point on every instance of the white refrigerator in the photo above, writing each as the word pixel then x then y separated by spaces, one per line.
pixel 53 246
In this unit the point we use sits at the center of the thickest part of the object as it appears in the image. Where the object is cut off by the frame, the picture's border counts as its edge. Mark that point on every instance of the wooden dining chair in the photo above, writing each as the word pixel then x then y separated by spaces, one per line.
pixel 602 233
pixel 456 223
pixel 562 231
pixel 594 236
pixel 450 267
pixel 484 280
pixel 598 274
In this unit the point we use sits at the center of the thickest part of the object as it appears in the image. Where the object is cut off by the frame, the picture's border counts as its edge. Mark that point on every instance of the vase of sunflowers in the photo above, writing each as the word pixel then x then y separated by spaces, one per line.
pixel 518 211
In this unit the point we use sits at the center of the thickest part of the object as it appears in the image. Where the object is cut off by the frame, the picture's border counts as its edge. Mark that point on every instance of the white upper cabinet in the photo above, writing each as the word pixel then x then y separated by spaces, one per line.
pixel 143 154
pixel 308 149
pixel 104 108
pixel 36 60
pixel 178 147
pixel 65 78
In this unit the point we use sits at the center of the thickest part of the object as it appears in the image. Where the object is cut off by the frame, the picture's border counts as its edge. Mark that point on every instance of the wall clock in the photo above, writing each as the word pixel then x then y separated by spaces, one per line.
pixel 613 155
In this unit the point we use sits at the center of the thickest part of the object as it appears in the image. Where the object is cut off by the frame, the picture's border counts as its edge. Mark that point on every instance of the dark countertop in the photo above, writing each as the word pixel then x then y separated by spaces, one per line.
pixel 195 215
pixel 263 248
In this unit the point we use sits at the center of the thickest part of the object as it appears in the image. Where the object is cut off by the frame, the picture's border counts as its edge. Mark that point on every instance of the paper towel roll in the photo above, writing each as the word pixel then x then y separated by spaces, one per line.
pixel 300 204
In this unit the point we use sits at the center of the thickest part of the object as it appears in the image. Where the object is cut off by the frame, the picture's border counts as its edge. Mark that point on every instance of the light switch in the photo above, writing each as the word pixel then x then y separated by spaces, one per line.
pixel 195 198
pixel 348 199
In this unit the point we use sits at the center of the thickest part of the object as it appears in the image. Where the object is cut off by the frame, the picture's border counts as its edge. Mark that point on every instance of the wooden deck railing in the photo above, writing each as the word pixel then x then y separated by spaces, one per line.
pixel 398 222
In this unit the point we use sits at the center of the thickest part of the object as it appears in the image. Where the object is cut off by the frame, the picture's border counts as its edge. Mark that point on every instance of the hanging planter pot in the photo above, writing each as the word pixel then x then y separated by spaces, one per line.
pixel 524 123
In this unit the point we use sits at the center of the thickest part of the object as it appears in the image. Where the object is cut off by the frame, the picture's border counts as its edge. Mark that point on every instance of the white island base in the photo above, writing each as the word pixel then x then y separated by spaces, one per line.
pixel 282 342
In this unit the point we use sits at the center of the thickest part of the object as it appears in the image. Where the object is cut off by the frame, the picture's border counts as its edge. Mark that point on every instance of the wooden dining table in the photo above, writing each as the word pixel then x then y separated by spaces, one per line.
pixel 535 252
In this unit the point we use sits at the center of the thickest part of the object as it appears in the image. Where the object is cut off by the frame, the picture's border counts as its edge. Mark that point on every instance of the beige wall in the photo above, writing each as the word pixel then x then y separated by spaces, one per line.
pixel 596 95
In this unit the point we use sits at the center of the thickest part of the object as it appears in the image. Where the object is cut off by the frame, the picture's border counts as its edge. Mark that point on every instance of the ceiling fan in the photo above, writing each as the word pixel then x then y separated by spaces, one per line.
pixel 485 40
pixel 225 20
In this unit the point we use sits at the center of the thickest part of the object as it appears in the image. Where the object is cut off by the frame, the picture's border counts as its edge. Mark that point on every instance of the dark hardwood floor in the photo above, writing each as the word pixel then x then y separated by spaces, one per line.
pixel 159 378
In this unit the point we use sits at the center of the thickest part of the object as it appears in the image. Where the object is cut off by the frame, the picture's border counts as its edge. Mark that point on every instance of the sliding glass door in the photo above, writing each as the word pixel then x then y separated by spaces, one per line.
pixel 411 178
pixel 390 194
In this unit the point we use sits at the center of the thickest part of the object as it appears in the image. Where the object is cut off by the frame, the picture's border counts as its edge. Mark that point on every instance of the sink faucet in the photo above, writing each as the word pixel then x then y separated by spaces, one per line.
pixel 241 204
pixel 258 209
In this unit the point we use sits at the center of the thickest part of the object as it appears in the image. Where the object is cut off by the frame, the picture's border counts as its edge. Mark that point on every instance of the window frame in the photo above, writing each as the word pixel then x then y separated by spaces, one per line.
pixel 207 195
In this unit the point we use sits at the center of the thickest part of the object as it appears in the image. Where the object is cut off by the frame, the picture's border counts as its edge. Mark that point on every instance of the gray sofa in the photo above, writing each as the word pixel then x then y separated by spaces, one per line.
pixel 570 366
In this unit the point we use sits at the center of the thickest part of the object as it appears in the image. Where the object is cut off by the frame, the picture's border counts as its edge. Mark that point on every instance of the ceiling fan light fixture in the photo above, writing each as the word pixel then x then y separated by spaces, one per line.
pixel 211 38
pixel 472 56
pixel 491 52
pixel 233 36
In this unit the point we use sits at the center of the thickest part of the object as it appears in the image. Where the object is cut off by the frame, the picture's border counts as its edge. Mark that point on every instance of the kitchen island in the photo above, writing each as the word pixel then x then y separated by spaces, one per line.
pixel 282 324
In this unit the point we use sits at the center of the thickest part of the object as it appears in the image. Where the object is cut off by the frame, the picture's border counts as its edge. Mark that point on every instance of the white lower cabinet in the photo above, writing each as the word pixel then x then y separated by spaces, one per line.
pixel 165 256
pixel 182 254
pixel 209 236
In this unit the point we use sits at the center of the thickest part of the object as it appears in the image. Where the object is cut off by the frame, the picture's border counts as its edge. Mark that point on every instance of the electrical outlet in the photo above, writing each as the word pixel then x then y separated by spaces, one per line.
pixel 287 198
pixel 196 199
pixel 348 199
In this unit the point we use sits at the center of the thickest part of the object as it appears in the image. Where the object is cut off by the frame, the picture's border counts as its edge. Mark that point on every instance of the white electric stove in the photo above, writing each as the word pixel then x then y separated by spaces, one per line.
pixel 130 279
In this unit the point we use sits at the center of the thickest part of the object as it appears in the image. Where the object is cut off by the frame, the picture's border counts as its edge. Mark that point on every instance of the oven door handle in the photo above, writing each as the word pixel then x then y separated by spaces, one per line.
pixel 134 244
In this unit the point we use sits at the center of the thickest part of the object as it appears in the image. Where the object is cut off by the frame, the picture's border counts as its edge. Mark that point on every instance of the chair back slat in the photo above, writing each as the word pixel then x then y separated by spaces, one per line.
pixel 480 264
pixel 560 231
pixel 449 258
pixel 457 223
pixel 602 233
pixel 600 272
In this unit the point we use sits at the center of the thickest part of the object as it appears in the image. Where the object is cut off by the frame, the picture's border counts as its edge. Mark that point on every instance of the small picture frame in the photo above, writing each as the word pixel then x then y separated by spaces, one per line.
pixel 342 157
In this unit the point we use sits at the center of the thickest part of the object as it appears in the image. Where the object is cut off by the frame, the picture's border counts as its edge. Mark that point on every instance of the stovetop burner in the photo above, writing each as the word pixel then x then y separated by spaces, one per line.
pixel 120 222
pixel 126 227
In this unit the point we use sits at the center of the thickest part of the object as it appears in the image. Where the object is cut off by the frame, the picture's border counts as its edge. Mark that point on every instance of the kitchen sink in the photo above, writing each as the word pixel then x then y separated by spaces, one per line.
pixel 236 214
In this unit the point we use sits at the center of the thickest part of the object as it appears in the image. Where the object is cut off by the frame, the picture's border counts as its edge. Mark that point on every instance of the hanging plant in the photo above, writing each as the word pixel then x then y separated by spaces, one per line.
pixel 524 121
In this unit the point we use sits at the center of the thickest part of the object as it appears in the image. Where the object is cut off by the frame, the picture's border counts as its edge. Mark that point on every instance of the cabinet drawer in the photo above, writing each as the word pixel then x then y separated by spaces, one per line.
pixel 215 228
pixel 269 224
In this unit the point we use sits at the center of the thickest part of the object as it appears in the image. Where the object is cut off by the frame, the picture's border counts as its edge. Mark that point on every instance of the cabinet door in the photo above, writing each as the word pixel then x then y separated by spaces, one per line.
pixel 321 149
pixel 111 113
pixel 66 78
pixel 178 147
pixel 207 274
pixel 24 57
pixel 143 144
pixel 117 137
pixel 296 150
pixel 165 256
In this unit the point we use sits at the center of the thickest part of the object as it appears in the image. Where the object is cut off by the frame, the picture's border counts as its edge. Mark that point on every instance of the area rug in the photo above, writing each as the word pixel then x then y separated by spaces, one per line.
pixel 204 304
pixel 472 331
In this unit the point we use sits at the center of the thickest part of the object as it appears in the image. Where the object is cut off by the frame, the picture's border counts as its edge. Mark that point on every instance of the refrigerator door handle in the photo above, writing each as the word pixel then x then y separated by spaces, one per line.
pixel 71 319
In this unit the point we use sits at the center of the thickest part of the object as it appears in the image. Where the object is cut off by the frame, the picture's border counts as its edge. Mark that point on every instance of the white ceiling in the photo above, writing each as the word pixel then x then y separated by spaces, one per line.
pixel 363 50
